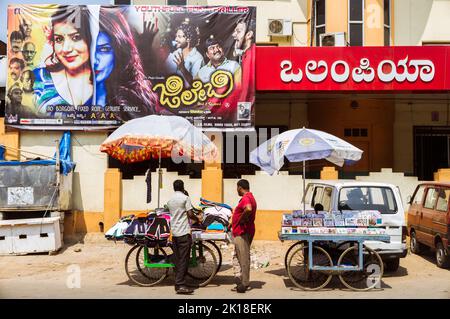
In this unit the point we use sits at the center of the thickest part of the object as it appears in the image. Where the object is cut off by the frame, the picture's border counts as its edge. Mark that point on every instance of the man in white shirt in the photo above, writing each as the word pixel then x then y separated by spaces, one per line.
pixel 185 60
pixel 179 206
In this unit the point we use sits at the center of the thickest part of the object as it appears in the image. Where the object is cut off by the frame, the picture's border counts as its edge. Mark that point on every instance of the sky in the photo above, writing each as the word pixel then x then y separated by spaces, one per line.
pixel 4 6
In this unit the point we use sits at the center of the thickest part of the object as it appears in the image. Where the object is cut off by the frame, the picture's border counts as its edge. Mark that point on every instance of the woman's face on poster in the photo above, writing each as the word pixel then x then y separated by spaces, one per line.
pixel 104 57
pixel 70 47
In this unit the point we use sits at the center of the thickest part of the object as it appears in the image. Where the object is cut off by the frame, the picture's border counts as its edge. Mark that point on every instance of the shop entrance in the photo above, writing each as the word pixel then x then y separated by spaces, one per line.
pixel 431 150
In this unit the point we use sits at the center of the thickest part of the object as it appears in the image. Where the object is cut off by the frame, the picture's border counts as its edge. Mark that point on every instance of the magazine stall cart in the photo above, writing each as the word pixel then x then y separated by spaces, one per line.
pixel 311 267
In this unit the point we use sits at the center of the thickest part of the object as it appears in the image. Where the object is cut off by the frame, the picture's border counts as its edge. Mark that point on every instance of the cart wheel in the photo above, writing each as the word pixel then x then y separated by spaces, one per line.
pixel 290 251
pixel 203 264
pixel 136 270
pixel 369 277
pixel 299 272
pixel 216 251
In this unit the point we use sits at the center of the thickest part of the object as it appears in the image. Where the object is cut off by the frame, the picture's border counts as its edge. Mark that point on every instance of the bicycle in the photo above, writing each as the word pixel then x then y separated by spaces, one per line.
pixel 149 265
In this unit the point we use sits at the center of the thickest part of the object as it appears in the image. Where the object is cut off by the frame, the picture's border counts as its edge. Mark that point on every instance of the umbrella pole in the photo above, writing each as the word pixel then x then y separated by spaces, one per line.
pixel 159 178
pixel 304 195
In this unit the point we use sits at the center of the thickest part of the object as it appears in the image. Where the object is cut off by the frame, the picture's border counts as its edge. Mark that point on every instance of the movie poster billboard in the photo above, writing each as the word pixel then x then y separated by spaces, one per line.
pixel 91 66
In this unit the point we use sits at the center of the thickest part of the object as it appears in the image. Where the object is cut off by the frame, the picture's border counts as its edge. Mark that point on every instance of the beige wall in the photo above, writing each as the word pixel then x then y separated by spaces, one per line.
pixel 336 16
pixel 87 188
pixel 421 21
pixel 406 116
pixel 373 23
pixel 272 110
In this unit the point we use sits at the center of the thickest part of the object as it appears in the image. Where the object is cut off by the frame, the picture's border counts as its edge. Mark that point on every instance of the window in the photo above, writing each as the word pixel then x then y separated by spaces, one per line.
pixel 419 195
pixel 356 22
pixel 442 202
pixel 356 132
pixel 368 198
pixel 319 21
pixel 309 192
pixel 317 196
pixel 431 198
pixel 387 22
pixel 326 198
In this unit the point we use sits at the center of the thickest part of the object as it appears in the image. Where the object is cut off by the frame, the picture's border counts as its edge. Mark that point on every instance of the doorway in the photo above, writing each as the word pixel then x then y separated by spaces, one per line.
pixel 431 150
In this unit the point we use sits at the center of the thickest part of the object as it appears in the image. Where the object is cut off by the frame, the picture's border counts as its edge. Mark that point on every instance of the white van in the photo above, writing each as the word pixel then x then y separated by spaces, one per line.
pixel 386 198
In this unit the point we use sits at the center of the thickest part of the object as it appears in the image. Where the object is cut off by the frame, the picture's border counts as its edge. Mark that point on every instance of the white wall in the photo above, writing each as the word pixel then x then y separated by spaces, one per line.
pixel 295 10
pixel 88 178
pixel 277 192
pixel 134 191
pixel 417 21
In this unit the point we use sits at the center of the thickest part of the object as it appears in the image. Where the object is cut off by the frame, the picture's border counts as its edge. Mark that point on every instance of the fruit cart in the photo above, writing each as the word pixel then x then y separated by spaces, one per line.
pixel 315 258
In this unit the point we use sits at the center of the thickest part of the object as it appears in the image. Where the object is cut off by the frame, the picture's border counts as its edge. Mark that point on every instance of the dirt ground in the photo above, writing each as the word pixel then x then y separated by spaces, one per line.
pixel 100 265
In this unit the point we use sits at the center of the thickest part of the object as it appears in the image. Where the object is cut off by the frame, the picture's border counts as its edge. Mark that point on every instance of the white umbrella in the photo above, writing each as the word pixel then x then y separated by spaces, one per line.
pixel 301 145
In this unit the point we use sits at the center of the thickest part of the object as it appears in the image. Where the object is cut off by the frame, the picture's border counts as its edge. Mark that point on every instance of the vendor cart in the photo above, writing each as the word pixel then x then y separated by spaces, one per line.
pixel 148 264
pixel 315 258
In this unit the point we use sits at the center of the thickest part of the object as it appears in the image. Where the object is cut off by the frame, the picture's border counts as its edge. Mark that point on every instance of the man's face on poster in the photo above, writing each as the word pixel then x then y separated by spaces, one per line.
pixel 239 34
pixel 215 53
pixel 16 45
pixel 26 25
pixel 27 81
pixel 16 96
pixel 181 40
pixel 28 52
pixel 15 70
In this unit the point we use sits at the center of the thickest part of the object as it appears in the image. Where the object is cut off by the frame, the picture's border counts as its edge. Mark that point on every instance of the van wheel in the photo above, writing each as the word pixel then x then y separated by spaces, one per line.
pixel 414 245
pixel 442 259
pixel 392 264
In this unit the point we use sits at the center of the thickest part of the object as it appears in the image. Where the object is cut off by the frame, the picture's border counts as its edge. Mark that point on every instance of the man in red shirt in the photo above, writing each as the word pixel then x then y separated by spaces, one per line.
pixel 243 230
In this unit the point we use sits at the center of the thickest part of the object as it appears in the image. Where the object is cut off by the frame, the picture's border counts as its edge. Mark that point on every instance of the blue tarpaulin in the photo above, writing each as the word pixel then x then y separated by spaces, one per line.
pixel 33 162
pixel 64 155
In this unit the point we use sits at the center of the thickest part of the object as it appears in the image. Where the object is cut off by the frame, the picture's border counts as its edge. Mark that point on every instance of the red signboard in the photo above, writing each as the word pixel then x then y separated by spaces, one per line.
pixel 371 69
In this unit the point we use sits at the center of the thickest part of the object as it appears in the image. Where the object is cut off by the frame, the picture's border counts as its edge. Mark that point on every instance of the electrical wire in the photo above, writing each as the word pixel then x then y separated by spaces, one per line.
pixel 86 150
pixel 48 207
pixel 25 151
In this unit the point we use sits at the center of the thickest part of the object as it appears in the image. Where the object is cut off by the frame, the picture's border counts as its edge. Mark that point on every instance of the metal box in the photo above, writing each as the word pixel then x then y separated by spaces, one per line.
pixel 32 235
pixel 34 188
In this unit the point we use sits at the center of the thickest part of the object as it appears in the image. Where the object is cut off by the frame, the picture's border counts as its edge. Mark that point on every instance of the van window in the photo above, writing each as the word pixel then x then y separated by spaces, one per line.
pixel 442 202
pixel 418 196
pixel 430 199
pixel 368 198
pixel 317 195
pixel 326 198
pixel 309 192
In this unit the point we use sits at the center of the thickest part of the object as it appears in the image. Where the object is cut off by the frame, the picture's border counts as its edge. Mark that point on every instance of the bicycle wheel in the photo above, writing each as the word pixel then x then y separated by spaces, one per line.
pixel 202 264
pixel 290 251
pixel 299 272
pixel 136 270
pixel 216 251
pixel 369 277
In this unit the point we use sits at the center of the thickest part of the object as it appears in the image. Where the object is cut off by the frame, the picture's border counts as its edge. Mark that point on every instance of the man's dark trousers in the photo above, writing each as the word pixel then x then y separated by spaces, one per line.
pixel 182 250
